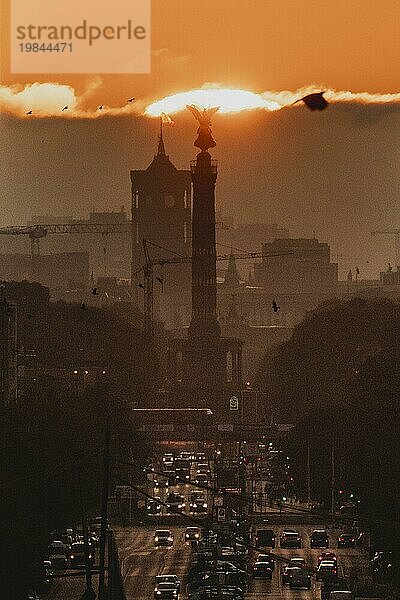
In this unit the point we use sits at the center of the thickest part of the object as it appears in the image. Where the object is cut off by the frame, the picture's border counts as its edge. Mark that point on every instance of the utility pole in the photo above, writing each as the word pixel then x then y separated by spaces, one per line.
pixel 89 593
pixel 103 530
pixel 308 476
pixel 333 480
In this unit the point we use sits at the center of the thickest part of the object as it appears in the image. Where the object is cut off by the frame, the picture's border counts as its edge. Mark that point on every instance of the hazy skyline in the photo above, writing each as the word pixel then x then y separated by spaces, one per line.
pixel 335 172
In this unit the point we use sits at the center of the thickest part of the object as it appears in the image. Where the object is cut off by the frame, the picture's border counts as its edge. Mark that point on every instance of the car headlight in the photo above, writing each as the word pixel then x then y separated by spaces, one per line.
pixel 170 539
pixel 72 556
pixel 158 593
pixel 181 506
pixel 205 505
pixel 196 535
pixel 156 539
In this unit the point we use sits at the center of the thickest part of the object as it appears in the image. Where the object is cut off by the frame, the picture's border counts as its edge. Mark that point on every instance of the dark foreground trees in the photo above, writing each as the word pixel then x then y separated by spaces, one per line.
pixel 52 441
pixel 338 380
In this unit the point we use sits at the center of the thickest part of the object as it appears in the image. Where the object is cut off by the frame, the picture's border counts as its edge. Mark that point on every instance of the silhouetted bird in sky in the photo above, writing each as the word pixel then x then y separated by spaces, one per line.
pixel 357 270
pixel 101 107
pixel 275 307
pixel 141 285
pixel 131 99
pixel 95 292
pixel 314 101
pixel 29 112
pixel 65 108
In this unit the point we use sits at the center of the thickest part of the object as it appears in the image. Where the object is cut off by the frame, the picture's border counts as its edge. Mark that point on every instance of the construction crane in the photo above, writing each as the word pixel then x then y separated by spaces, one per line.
pixel 396 233
pixel 148 275
pixel 37 232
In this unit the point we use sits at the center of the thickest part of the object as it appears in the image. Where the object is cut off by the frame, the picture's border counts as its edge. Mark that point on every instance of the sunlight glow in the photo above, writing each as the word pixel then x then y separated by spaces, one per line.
pixel 228 100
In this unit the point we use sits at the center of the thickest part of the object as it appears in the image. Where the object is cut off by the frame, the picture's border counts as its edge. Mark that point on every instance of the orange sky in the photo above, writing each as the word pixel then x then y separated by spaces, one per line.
pixel 260 45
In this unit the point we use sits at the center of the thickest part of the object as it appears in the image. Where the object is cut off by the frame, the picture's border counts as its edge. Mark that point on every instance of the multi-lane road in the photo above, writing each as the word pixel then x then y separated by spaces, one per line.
pixel 141 562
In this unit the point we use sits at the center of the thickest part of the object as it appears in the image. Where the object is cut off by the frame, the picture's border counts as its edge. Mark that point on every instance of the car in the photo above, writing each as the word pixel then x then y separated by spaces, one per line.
pixel 160 480
pixel 182 474
pixel 290 539
pixel 201 479
pixel 327 569
pixel 347 540
pixel 201 457
pixel 77 555
pixel 192 534
pixel 168 457
pixel 175 502
pixel 203 468
pixel 299 578
pixel 182 463
pixel 296 562
pixel 163 537
pixel 262 568
pixel 327 556
pixel 57 553
pixel 153 506
pixel 198 506
pixel 170 578
pixel 319 539
pixel 196 496
pixel 265 538
pixel 187 455
pixel 166 589
pixel 341 595
pixel 334 585
pixel 171 476
pixel 266 558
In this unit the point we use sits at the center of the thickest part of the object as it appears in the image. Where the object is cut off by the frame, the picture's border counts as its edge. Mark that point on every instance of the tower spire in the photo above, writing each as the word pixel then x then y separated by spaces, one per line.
pixel 161 147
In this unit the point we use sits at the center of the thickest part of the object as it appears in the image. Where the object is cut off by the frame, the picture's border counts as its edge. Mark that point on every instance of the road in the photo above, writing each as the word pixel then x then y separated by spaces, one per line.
pixel 141 562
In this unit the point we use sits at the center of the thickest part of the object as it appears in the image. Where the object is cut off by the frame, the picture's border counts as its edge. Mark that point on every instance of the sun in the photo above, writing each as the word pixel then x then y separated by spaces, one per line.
pixel 229 101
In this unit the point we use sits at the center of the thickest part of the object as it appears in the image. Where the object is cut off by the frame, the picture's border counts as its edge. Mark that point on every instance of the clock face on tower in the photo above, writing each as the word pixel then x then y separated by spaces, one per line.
pixel 169 201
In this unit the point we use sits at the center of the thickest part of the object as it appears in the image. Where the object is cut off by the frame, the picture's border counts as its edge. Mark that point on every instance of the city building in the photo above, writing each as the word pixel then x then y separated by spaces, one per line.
pixel 161 215
pixel 8 353
pixel 295 266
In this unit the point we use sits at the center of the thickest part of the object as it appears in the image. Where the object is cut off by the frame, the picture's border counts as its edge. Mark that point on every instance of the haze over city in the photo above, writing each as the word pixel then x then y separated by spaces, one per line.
pixel 199 300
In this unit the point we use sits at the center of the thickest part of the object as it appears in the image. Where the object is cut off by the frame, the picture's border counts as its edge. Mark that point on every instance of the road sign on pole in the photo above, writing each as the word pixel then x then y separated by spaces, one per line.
pixel 221 514
pixel 233 403
pixel 218 501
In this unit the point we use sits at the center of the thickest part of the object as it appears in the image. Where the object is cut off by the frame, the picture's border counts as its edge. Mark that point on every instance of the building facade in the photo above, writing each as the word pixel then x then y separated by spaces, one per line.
pixel 8 354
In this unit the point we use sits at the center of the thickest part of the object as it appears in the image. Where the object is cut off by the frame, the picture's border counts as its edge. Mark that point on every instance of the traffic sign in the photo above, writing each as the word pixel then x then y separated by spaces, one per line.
pixel 221 514
pixel 218 501
pixel 233 403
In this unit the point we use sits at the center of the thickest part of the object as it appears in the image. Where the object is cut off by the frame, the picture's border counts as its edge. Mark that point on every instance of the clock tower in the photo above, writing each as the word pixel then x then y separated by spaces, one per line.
pixel 161 214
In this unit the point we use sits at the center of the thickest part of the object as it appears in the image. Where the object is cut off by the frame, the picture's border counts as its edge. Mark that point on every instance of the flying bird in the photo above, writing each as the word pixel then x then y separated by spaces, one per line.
pixel 131 100
pixel 315 101
pixel 95 292
pixel 275 307
pixel 65 108
pixel 141 285
pixel 101 107
pixel 29 112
